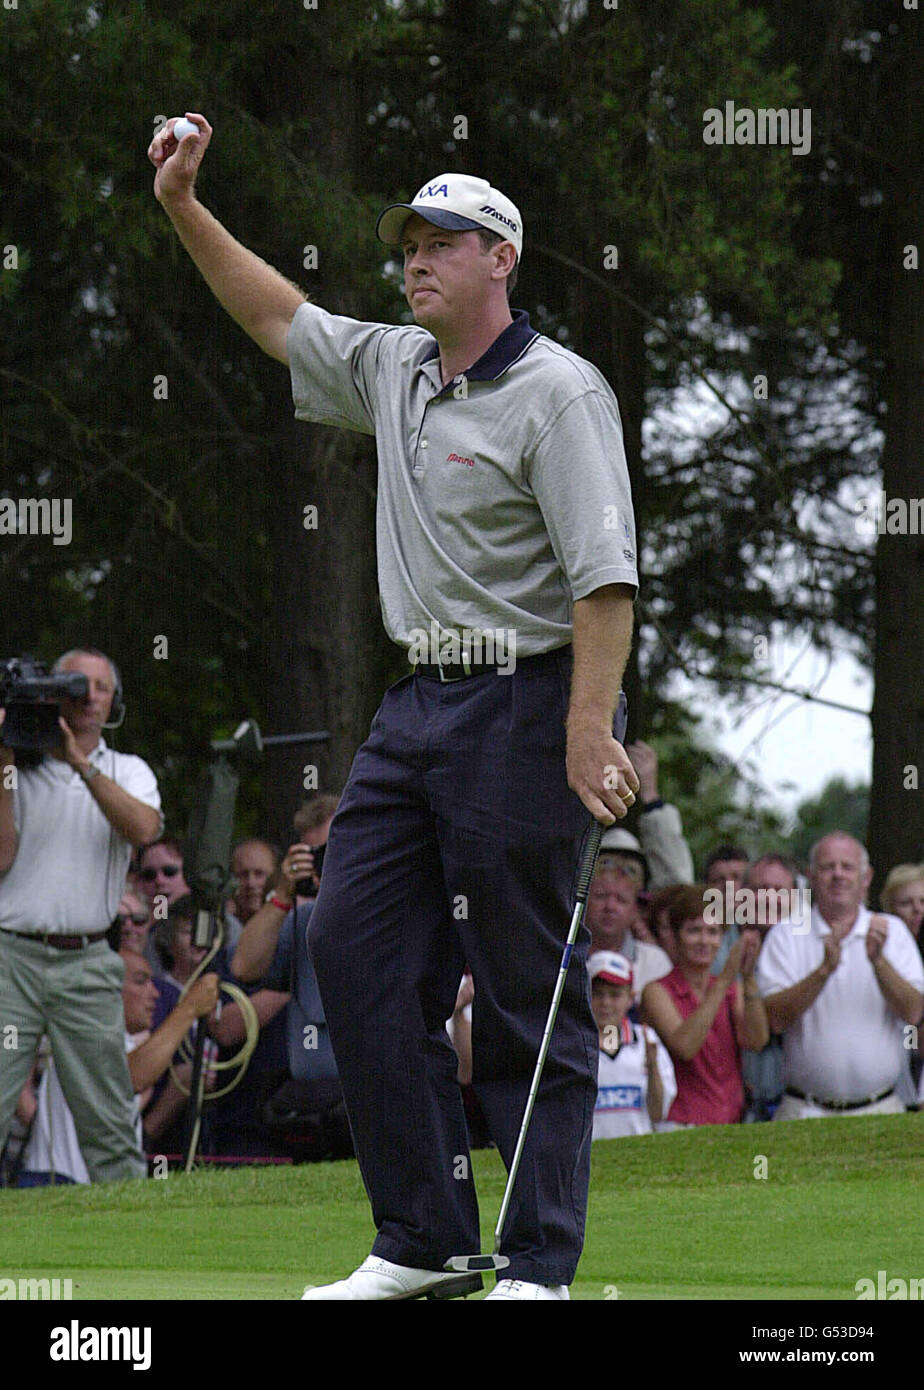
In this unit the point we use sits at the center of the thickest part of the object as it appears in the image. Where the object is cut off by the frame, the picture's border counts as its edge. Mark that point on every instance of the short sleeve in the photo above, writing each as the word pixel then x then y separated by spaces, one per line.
pixel 333 363
pixel 134 776
pixel 774 972
pixel 901 951
pixel 579 476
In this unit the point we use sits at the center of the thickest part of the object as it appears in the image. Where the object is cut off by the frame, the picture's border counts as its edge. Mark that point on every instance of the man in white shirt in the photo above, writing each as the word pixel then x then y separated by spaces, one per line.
pixel 840 985
pixel 67 828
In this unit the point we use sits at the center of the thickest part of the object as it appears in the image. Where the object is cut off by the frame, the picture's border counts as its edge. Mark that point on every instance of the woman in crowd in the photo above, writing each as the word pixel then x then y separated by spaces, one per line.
pixel 705 1021
pixel 903 894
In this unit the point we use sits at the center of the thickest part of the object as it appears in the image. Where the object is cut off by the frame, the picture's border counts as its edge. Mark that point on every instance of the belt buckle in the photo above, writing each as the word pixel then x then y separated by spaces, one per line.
pixel 448 680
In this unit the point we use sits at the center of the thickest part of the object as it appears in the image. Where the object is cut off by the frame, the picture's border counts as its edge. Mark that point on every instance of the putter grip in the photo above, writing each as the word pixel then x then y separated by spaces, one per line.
pixel 588 861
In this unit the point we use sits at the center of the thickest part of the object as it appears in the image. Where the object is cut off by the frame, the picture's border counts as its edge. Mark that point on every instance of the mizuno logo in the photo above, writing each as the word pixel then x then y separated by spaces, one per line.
pixel 457 458
pixel 507 221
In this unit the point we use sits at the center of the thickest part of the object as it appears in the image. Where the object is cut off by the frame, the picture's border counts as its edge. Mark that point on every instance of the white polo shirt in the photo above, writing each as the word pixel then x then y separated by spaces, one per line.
pixel 849 1044
pixel 70 867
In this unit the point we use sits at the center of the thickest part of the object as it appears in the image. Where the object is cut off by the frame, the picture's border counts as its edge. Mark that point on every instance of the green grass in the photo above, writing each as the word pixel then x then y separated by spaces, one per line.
pixel 671 1216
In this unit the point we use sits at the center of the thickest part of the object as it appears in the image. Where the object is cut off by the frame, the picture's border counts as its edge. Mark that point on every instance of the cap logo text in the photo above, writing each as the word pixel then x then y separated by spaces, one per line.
pixel 507 221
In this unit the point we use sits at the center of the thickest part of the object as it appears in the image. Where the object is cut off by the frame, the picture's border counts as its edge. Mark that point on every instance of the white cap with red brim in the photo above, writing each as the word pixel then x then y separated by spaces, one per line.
pixel 609 966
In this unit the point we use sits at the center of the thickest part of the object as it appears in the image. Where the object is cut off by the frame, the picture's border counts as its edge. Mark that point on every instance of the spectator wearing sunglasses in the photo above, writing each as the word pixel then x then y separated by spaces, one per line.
pixel 131 928
pixel 160 875
pixel 160 870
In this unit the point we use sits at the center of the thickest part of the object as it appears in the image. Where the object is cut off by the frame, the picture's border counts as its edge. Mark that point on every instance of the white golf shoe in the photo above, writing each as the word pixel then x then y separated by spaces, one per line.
pixel 380 1280
pixel 517 1288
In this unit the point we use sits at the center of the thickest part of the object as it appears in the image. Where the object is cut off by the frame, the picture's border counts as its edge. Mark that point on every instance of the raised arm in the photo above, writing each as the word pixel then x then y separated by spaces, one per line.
pixel 256 296
pixel 786 1006
pixel 148 1062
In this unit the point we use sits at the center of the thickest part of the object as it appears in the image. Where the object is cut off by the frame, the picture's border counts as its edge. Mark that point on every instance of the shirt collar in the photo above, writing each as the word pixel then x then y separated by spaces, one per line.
pixel 627 1035
pixel 67 773
pixel 859 927
pixel 503 352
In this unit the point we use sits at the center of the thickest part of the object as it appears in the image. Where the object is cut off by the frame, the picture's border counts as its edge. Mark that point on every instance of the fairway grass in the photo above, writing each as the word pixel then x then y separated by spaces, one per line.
pixel 671 1216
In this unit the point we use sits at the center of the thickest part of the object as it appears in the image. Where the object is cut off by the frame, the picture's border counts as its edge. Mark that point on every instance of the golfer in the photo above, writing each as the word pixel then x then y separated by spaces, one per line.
pixel 506 569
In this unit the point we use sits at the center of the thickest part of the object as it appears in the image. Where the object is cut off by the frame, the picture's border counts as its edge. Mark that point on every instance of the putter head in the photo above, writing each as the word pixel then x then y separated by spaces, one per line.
pixel 476 1264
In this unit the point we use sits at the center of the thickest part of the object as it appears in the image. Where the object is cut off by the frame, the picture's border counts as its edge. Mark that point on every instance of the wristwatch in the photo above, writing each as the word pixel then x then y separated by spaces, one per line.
pixel 89 772
pixel 272 897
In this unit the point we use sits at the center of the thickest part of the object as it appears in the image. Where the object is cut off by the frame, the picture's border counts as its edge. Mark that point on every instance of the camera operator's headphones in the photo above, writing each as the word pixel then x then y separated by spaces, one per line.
pixel 117 710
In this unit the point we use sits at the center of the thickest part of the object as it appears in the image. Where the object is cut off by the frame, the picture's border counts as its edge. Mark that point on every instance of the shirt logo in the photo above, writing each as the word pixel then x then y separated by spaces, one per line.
pixel 457 458
pixel 619 1098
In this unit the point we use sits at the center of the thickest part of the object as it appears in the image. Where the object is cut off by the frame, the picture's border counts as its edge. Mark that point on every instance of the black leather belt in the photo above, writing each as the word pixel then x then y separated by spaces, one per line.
pixel 455 670
pixel 61 943
pixel 462 668
pixel 839 1104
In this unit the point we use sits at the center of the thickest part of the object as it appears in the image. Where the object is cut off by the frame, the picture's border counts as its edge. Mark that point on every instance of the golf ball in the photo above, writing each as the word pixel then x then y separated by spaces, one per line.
pixel 184 127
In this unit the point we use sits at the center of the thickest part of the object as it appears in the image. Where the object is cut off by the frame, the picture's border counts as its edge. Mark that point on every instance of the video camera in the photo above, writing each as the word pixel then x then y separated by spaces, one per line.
pixel 32 700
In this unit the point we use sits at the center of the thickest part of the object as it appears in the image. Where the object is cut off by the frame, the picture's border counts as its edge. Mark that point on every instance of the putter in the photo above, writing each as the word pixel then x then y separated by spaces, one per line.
pixel 476 1264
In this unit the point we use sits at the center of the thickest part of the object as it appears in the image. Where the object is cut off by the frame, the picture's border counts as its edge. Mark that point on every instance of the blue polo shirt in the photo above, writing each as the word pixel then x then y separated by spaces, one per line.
pixel 308 1046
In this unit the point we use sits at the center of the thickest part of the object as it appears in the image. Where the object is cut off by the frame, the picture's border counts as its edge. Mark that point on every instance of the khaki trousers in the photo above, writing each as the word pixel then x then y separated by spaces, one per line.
pixel 76 998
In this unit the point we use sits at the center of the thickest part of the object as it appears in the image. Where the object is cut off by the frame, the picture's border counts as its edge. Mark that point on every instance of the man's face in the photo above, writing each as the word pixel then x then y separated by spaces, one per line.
pixel 251 865
pixel 775 879
pixel 139 993
pixel 446 274
pixel 698 943
pixel 727 870
pixel 135 920
pixel 162 873
pixel 611 909
pixel 839 883
pixel 908 904
pixel 92 712
pixel 609 1002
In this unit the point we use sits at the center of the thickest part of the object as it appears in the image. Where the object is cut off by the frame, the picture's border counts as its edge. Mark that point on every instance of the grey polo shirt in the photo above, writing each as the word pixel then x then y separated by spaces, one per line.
pixel 503 497
pixel 70 866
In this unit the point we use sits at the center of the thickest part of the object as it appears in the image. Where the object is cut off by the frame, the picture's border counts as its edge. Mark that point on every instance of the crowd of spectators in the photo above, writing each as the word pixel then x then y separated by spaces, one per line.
pixel 760 991
pixel 285 1104
pixel 776 994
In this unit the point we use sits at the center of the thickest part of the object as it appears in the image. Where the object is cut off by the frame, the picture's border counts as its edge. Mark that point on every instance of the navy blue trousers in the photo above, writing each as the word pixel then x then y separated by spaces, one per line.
pixel 457 841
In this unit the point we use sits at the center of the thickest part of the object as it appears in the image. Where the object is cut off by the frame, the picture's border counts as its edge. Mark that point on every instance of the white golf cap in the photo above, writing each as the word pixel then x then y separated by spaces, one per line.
pixel 460 203
pixel 609 966
pixel 614 837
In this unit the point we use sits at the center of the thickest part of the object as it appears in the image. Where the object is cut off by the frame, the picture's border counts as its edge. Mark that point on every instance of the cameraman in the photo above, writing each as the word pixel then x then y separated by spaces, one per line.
pixel 68 824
